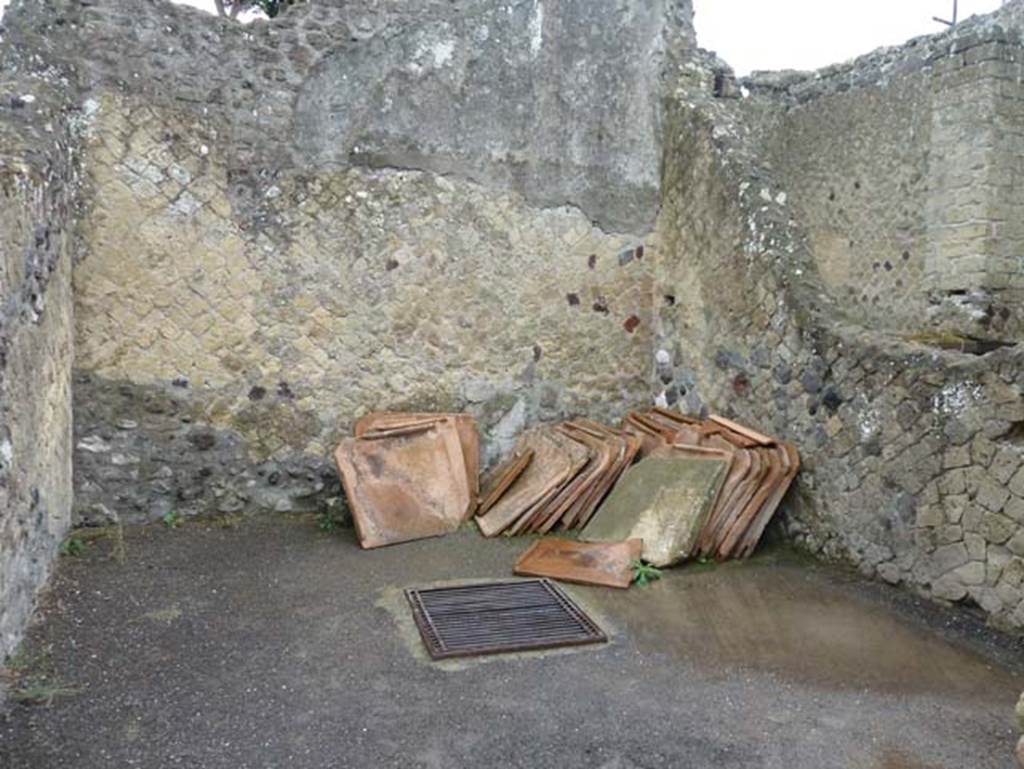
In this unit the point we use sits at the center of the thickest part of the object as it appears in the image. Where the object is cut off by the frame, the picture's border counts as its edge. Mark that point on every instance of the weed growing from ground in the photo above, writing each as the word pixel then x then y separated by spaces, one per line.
pixel 644 573
pixel 72 546
pixel 326 521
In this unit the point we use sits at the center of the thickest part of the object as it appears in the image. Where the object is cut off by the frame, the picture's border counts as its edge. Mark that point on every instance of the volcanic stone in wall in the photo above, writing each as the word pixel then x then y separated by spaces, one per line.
pixel 142 452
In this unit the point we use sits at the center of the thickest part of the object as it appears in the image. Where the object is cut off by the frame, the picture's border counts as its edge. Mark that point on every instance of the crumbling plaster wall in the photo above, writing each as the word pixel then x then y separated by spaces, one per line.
pixel 373 288
pixel 912 454
pixel 37 208
pixel 359 205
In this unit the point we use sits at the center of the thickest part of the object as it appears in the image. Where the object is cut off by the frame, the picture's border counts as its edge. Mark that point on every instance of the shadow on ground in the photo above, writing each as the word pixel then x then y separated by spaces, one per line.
pixel 273 644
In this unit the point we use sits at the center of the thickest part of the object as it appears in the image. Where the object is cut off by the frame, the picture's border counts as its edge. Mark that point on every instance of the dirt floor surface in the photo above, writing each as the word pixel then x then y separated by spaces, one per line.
pixel 269 643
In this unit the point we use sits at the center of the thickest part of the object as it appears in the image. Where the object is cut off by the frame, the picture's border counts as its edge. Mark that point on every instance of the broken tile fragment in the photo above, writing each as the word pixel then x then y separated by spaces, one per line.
pixel 588 563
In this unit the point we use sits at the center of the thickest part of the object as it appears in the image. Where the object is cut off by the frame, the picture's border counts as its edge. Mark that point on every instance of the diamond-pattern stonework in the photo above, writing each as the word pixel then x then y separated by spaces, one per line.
pixel 358 289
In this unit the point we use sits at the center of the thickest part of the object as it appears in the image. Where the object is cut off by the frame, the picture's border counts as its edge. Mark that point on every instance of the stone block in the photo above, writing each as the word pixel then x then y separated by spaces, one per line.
pixel 930 516
pixel 975 544
pixel 976 477
pixel 1013 573
pixel 972 573
pixel 954 507
pixel 948 588
pixel 973 516
pixel 1014 508
pixel 997 529
pixel 1009 595
pixel 890 573
pixel 991 495
pixel 954 482
pixel 998 556
pixel 1016 484
pixel 949 533
pixel 987 599
pixel 949 557
pixel 956 456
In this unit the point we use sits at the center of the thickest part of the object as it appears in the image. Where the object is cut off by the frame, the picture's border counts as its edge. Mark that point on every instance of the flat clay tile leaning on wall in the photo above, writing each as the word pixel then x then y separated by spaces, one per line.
pixel 465 424
pixel 408 479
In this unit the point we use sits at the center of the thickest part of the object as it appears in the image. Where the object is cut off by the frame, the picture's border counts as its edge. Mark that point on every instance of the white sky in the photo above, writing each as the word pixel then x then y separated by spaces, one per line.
pixel 800 34
pixel 808 34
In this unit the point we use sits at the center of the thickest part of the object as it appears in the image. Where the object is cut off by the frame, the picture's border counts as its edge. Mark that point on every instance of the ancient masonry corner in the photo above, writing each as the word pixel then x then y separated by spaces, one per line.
pixel 255 268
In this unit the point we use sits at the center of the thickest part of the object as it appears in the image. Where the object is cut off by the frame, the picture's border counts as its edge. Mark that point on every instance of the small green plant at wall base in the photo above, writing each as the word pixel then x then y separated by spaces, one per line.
pixel 644 573
pixel 171 520
pixel 72 546
pixel 326 521
pixel 332 516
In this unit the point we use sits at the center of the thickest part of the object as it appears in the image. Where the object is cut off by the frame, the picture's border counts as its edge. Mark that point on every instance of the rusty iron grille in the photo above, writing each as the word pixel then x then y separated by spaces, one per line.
pixel 470 620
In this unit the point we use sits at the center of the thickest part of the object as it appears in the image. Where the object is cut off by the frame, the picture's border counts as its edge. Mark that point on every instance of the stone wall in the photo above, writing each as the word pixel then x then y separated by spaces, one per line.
pixel 361 289
pixel 528 211
pixel 912 453
pixel 356 206
pixel 856 164
pixel 902 166
pixel 37 198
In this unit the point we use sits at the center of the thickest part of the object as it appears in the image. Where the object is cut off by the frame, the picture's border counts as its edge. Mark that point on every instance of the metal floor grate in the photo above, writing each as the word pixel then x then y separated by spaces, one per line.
pixel 468 620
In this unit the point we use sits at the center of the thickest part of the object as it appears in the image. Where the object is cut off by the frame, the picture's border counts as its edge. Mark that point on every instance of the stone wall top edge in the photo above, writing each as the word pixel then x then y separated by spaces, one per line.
pixel 880 66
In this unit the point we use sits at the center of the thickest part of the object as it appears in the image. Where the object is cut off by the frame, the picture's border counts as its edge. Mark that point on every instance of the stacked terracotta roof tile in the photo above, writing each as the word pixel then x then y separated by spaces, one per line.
pixel 760 471
pixel 555 479
pixel 684 487
pixel 559 475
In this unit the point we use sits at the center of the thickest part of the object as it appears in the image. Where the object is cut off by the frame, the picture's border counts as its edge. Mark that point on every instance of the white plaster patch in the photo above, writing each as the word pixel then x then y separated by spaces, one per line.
pixel 955 398
pixel 185 205
pixel 431 54
pixel 179 174
pixel 536 28
pixel 442 52
pixel 83 121
pixel 94 444
pixel 662 356
pixel 869 423
pixel 6 452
